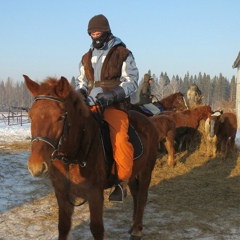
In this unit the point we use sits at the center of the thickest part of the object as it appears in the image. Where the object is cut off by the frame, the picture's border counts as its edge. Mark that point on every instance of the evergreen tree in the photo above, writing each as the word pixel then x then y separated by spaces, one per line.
pixel 73 82
pixel 9 92
pixel 175 85
pixel 206 89
pixel 185 84
pixel 2 96
pixel 216 91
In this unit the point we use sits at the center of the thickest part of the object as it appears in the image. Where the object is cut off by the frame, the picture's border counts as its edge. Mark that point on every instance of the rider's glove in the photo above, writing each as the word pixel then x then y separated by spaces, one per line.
pixel 107 98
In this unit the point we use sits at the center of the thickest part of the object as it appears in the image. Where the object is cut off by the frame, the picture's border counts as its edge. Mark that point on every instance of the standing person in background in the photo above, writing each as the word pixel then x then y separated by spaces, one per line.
pixel 146 96
pixel 108 76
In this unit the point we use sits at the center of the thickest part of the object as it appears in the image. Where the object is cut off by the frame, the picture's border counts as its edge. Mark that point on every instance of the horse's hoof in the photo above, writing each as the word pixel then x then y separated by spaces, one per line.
pixel 135 238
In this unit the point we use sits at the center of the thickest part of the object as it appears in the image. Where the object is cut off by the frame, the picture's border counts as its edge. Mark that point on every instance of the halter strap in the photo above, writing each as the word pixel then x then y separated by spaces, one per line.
pixel 46 140
pixel 47 97
pixel 54 145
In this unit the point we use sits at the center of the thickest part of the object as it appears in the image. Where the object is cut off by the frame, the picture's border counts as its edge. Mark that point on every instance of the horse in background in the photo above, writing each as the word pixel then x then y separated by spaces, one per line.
pixel 221 132
pixel 194 96
pixel 173 102
pixel 67 145
pixel 187 123
pixel 166 129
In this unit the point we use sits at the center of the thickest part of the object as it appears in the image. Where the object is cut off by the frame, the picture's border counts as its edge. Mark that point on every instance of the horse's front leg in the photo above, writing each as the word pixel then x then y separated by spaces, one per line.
pixel 95 201
pixel 169 145
pixel 64 216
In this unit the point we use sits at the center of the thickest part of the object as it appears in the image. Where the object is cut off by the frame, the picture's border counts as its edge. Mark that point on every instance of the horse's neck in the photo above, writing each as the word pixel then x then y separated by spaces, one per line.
pixel 166 104
pixel 198 114
pixel 83 134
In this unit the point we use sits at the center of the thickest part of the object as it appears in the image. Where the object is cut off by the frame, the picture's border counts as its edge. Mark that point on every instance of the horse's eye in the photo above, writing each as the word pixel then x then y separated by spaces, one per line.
pixel 61 118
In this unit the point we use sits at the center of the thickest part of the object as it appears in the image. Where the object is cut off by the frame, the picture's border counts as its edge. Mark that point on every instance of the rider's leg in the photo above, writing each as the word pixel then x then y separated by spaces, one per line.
pixel 122 149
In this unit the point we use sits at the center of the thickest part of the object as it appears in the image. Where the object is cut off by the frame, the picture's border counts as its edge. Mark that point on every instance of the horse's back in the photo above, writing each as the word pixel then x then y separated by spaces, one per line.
pixel 164 124
pixel 141 122
pixel 232 118
pixel 149 137
pixel 145 129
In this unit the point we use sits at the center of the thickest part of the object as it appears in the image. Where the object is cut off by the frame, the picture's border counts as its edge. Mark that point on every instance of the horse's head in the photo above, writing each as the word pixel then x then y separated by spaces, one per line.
pixel 179 102
pixel 50 117
pixel 213 126
pixel 47 116
pixel 215 118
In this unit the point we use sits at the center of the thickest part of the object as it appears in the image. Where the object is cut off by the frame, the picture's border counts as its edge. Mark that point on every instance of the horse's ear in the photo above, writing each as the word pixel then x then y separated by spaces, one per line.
pixel 32 86
pixel 62 88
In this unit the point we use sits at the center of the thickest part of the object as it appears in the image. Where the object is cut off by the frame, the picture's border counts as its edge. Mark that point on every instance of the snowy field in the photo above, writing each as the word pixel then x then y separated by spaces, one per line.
pixel 14 132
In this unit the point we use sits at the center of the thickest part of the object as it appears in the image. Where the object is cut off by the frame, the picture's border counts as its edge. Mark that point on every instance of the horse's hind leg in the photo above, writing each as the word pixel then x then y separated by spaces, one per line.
pixel 169 144
pixel 232 144
pixel 224 149
pixel 139 191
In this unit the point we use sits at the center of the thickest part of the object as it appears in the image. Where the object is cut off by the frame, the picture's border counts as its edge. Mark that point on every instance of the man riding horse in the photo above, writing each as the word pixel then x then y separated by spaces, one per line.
pixel 108 75
pixel 194 96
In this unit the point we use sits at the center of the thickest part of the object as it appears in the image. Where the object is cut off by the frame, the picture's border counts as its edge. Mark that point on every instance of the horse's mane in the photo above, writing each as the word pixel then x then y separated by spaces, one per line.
pixel 48 87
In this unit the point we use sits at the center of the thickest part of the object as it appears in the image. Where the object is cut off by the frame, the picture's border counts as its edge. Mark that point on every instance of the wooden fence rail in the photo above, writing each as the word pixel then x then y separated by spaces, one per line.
pixel 15 118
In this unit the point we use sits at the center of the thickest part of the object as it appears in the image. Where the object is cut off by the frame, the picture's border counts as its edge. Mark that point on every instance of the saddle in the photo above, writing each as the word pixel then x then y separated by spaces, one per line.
pixel 148 112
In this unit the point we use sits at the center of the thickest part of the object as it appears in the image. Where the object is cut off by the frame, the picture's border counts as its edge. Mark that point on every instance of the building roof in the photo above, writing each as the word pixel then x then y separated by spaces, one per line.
pixel 237 61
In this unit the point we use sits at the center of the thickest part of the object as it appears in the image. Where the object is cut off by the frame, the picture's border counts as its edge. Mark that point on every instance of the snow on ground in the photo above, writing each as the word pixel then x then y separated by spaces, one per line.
pixel 14 132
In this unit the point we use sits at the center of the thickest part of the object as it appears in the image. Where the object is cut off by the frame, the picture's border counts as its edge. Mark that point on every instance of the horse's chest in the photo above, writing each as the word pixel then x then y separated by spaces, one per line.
pixel 74 174
pixel 70 172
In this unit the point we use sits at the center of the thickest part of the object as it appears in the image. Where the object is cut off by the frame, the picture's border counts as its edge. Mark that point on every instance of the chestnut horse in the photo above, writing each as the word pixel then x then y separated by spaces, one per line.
pixel 173 102
pixel 221 131
pixel 166 129
pixel 67 146
pixel 187 123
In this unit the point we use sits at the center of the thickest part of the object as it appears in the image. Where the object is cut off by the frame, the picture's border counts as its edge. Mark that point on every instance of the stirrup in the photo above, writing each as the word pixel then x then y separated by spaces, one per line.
pixel 117 195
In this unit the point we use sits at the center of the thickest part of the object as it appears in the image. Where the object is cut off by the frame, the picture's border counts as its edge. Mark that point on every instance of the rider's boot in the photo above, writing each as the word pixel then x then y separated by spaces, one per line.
pixel 119 193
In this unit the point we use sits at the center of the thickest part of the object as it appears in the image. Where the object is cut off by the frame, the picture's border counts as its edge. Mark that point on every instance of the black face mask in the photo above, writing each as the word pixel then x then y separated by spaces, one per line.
pixel 99 42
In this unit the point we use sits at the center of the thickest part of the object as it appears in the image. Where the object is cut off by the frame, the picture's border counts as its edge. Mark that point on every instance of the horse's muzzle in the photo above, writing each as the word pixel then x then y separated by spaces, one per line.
pixel 38 170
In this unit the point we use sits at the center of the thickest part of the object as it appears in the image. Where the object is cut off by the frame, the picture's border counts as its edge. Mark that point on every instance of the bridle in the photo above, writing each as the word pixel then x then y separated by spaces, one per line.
pixel 56 152
pixel 56 145
pixel 46 139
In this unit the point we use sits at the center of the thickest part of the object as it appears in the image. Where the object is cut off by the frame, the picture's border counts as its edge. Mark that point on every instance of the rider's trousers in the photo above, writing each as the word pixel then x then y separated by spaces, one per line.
pixel 122 149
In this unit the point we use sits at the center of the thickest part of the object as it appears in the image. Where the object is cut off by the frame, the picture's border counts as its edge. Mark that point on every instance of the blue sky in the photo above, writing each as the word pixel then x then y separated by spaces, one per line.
pixel 48 37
